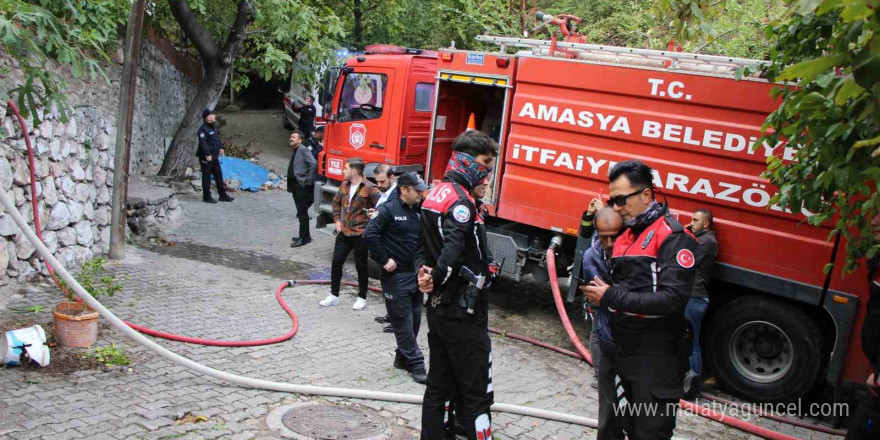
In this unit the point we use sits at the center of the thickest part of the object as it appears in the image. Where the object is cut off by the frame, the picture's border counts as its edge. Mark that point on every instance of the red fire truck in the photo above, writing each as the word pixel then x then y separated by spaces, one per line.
pixel 563 113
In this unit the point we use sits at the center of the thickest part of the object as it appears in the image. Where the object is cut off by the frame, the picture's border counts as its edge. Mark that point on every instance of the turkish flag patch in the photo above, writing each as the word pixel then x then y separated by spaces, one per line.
pixel 685 258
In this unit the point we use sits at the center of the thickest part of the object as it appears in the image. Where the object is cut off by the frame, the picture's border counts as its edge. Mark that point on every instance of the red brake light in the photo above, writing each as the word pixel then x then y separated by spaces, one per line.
pixel 446 56
pixel 502 62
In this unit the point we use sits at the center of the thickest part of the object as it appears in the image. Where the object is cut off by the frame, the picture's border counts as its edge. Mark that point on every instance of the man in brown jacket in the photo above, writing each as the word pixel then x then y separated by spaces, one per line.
pixel 351 212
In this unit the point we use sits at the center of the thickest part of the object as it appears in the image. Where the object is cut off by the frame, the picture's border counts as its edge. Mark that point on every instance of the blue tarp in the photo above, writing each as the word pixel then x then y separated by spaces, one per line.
pixel 251 175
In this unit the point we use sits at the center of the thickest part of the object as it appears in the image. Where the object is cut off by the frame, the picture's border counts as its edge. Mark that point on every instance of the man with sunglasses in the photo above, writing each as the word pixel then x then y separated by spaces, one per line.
pixel 651 279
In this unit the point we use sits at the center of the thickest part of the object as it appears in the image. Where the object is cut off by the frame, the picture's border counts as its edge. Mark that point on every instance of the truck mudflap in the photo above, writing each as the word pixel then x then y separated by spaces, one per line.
pixel 842 308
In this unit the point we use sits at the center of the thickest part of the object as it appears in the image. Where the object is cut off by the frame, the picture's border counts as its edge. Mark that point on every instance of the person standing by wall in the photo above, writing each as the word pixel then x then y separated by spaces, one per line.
pixel 707 251
pixel 458 340
pixel 209 151
pixel 301 174
pixel 393 238
pixel 307 113
pixel 651 280
pixel 351 213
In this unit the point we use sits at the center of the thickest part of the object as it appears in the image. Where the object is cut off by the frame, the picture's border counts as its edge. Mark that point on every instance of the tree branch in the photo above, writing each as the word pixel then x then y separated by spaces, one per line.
pixel 709 43
pixel 193 30
pixel 238 32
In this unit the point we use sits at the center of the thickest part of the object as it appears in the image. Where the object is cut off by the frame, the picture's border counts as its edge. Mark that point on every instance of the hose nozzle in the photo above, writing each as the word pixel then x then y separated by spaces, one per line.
pixel 555 242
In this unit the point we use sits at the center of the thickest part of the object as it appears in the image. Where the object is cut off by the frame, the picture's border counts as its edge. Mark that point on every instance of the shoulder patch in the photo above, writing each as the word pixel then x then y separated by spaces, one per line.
pixel 201 135
pixel 461 214
pixel 685 258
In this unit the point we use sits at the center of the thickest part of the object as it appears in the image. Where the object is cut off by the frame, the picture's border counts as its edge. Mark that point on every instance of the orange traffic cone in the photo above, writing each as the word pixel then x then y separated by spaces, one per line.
pixel 471 124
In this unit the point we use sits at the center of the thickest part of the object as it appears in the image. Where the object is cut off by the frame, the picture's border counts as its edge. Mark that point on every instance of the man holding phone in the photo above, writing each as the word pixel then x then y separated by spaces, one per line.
pixel 651 279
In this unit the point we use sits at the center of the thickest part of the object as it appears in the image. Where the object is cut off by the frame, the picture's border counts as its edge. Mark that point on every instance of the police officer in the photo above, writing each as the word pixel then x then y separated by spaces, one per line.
pixel 209 152
pixel 652 272
pixel 393 237
pixel 450 257
pixel 307 113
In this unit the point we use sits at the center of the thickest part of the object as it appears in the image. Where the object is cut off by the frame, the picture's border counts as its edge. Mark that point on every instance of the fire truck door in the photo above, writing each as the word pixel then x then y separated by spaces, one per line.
pixel 362 121
pixel 462 98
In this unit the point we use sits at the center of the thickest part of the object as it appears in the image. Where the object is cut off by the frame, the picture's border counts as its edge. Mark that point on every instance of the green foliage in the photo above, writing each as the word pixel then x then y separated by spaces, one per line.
pixel 73 33
pixel 829 52
pixel 94 279
pixel 29 309
pixel 832 49
pixel 110 356
pixel 281 31
pixel 722 27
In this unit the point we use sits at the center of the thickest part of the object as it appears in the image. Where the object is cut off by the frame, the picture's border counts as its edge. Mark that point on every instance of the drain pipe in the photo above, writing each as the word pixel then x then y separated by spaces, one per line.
pixel 247 381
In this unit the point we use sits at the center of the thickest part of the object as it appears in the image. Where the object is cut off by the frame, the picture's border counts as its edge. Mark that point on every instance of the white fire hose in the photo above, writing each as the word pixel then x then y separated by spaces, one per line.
pixel 247 381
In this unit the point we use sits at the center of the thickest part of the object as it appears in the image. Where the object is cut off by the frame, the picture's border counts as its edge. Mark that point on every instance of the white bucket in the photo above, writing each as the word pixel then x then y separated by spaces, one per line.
pixel 32 339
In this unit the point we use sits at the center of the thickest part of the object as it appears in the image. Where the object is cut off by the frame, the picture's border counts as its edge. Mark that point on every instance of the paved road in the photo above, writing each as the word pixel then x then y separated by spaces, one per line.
pixel 217 281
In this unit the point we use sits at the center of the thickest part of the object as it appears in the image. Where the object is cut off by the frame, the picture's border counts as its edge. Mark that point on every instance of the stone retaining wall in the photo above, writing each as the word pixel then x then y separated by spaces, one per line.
pixel 75 159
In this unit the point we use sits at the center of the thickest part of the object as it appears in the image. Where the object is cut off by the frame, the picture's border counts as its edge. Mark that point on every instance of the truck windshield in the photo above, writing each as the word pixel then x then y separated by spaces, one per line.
pixel 362 97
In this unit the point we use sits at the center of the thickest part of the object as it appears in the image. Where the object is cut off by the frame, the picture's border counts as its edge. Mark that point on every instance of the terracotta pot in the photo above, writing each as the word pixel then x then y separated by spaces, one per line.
pixel 76 325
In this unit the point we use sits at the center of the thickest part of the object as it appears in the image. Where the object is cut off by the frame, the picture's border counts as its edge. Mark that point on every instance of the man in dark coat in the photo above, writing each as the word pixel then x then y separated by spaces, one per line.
pixel 651 279
pixel 209 152
pixel 301 183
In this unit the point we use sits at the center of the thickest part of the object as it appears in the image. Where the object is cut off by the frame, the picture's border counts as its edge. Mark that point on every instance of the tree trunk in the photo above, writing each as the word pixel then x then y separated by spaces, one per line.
pixel 181 153
pixel 358 24
pixel 216 62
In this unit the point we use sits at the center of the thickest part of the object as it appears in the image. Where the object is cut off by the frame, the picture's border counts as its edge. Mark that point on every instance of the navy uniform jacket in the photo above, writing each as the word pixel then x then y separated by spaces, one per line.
pixel 209 141
pixel 393 233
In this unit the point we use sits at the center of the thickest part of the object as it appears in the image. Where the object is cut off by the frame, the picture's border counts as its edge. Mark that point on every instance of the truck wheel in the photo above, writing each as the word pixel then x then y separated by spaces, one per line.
pixel 765 350
pixel 284 120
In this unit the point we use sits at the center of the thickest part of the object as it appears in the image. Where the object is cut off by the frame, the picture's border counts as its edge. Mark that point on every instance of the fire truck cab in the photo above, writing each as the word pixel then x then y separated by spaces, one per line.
pixel 378 107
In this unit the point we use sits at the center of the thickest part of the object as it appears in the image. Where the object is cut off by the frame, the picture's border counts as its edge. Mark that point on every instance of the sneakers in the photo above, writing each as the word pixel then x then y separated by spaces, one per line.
pixel 330 300
pixel 382 319
pixel 419 374
pixel 359 304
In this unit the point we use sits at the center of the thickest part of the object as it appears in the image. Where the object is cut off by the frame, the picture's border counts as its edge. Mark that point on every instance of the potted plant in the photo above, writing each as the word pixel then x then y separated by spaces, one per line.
pixel 76 324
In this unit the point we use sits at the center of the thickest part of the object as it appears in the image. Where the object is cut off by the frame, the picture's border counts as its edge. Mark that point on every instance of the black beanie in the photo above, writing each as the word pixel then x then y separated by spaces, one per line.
pixel 206 112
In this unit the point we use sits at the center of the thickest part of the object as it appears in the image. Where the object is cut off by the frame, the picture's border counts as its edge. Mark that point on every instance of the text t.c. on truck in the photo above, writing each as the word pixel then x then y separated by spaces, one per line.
pixel 775 331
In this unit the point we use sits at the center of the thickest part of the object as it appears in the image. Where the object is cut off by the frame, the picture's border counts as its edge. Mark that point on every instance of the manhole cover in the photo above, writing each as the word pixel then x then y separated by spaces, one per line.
pixel 331 422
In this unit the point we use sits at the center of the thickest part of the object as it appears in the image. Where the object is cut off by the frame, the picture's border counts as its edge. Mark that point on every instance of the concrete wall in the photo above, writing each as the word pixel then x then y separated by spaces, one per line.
pixel 74 159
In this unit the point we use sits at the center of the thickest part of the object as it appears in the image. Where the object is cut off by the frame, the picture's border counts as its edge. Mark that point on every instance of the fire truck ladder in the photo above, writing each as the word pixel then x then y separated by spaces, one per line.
pixel 626 55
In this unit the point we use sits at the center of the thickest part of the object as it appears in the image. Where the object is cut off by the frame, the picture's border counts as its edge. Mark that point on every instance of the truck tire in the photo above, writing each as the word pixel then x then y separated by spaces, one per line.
pixel 284 121
pixel 765 350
